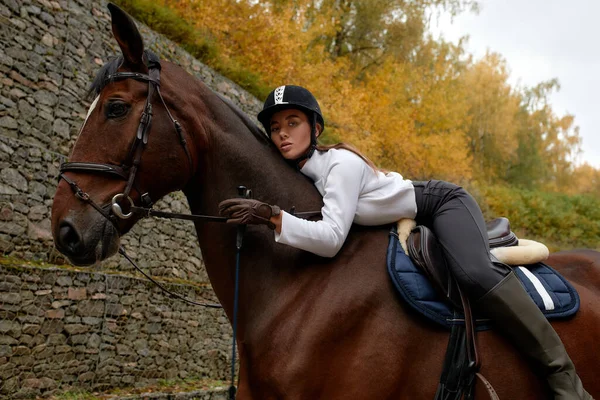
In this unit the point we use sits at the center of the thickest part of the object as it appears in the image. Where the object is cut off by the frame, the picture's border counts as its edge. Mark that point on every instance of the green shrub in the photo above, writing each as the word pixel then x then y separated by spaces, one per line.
pixel 559 220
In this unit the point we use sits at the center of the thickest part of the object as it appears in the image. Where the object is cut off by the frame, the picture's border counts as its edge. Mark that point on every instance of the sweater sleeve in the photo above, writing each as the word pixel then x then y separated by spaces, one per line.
pixel 343 183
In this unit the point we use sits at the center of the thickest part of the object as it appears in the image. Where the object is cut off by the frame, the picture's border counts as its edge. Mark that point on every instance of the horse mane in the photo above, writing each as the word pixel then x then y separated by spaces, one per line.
pixel 100 80
pixel 110 67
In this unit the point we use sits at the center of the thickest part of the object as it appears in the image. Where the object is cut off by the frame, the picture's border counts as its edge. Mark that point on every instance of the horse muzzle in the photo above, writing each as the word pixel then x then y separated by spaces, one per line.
pixel 86 241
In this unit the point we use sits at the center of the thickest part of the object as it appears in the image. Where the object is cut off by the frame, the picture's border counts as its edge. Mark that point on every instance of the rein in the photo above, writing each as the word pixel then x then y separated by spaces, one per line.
pixel 127 171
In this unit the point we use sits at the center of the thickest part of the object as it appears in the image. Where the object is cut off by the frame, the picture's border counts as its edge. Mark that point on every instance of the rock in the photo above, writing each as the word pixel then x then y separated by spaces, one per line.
pixel 11 328
pixel 8 122
pixel 31 329
pixel 38 188
pixel 5 189
pixel 90 308
pixel 45 97
pixel 74 329
pixel 86 376
pixel 53 326
pixel 55 314
pixel 61 128
pixel 64 280
pixel 13 178
pixel 77 293
pixel 5 350
pixel 39 231
pixel 48 40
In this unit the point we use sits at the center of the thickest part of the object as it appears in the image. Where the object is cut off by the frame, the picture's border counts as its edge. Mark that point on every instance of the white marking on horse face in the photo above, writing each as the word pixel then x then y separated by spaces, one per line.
pixel 90 110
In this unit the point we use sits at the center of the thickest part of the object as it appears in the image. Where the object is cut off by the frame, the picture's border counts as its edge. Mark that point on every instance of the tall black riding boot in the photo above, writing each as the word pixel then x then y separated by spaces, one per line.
pixel 519 318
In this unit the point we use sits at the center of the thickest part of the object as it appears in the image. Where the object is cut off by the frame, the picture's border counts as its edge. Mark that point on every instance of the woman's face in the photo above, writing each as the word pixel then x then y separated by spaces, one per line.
pixel 290 131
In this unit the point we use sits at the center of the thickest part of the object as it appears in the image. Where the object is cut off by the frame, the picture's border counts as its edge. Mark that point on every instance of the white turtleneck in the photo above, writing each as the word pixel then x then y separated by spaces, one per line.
pixel 352 192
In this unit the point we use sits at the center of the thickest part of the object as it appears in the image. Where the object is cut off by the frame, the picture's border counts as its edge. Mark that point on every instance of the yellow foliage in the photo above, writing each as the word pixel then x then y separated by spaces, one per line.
pixel 423 108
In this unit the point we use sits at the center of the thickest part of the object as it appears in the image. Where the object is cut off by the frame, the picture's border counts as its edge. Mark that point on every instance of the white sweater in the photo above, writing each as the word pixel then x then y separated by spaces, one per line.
pixel 352 192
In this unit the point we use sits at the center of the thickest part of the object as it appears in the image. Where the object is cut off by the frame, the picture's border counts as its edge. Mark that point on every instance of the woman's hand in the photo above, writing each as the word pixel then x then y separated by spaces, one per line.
pixel 250 211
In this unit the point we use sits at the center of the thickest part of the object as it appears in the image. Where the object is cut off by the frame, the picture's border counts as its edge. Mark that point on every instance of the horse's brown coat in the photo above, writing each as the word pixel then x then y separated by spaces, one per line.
pixel 309 327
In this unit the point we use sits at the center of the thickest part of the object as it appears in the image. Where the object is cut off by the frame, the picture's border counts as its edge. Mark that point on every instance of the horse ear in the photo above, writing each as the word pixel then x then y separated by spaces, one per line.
pixel 127 35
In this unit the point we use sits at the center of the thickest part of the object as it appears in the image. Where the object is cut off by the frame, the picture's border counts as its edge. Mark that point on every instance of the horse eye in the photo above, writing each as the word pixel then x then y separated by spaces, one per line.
pixel 117 109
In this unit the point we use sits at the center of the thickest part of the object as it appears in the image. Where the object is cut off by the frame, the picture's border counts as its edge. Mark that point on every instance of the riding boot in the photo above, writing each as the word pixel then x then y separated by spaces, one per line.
pixel 521 320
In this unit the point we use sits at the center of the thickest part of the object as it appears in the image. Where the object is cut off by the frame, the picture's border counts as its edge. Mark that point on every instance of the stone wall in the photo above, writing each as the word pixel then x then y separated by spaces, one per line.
pixel 49 53
pixel 62 329
pixel 59 328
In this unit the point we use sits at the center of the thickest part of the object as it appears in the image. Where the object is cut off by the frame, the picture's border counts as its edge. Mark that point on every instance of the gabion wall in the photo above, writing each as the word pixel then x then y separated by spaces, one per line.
pixel 49 54
pixel 61 329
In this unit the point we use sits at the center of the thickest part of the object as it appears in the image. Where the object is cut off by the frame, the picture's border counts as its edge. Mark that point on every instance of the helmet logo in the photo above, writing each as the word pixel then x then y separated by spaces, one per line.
pixel 279 95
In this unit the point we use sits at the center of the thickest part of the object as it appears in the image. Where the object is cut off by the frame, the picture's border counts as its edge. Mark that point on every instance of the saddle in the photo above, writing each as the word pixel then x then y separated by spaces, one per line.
pixel 462 363
pixel 425 251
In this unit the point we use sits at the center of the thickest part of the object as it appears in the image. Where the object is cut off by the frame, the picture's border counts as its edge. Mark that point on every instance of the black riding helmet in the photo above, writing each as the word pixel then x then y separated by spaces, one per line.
pixel 296 97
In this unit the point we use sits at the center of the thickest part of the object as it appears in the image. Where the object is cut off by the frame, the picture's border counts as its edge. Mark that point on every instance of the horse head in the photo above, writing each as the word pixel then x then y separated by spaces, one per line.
pixel 151 130
pixel 130 144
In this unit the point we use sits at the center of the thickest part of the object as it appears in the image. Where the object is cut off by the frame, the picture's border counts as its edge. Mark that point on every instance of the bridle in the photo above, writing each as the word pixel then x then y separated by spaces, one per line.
pixel 128 170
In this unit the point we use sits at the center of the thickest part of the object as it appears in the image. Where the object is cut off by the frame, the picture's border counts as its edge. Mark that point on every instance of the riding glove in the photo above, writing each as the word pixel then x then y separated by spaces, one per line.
pixel 248 211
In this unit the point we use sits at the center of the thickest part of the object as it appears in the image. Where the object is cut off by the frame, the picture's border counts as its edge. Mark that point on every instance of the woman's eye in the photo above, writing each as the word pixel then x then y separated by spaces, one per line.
pixel 117 109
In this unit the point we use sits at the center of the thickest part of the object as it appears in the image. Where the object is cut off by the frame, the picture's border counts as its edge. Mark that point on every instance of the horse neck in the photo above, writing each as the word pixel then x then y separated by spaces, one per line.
pixel 233 156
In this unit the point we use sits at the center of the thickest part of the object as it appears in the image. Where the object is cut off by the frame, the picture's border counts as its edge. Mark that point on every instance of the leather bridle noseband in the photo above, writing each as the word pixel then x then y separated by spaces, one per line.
pixel 128 170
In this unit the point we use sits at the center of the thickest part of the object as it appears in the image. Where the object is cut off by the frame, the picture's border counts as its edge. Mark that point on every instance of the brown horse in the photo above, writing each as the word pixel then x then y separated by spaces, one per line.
pixel 309 327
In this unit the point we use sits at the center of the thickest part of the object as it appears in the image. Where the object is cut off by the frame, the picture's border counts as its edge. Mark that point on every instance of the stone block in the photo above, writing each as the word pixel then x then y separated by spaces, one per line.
pixel 21 351
pixel 56 339
pixel 74 329
pixel 11 328
pixel 31 329
pixel 52 326
pixel 5 350
pixel 64 280
pixel 55 314
pixel 86 376
pixel 10 298
pixel 90 308
pixel 115 310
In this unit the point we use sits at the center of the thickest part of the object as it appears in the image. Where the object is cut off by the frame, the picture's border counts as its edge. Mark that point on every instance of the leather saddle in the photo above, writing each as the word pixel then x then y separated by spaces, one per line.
pixel 426 252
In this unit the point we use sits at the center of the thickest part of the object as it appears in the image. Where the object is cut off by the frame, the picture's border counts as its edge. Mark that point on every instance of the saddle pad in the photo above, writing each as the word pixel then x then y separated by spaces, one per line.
pixel 555 296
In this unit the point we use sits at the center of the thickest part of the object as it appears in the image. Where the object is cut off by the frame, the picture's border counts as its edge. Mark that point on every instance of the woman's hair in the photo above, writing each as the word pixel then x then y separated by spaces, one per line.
pixel 351 148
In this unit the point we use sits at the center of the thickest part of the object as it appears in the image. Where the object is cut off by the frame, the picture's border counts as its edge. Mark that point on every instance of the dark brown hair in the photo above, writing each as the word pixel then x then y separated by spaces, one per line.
pixel 351 148
pixel 345 146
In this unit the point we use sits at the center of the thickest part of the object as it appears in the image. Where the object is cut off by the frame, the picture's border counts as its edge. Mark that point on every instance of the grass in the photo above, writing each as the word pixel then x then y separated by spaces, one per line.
pixel 161 386
pixel 22 265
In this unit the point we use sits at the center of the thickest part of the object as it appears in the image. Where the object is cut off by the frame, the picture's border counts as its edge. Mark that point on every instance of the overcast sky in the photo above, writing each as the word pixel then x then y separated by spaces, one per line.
pixel 541 40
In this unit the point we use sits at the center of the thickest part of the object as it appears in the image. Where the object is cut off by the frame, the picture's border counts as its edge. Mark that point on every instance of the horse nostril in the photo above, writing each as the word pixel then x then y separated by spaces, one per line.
pixel 69 238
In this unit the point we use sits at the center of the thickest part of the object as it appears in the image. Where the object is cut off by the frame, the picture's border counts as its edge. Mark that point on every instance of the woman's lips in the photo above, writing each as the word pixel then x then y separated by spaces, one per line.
pixel 286 147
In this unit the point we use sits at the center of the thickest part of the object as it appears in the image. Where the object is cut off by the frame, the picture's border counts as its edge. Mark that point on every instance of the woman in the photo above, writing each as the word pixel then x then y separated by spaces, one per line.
pixel 354 191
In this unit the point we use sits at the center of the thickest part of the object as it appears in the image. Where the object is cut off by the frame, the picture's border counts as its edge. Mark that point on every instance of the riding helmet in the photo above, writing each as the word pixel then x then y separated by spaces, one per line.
pixel 290 96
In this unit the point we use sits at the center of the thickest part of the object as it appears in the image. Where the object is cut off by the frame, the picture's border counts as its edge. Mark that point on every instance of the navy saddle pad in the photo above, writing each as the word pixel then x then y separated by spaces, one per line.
pixel 555 296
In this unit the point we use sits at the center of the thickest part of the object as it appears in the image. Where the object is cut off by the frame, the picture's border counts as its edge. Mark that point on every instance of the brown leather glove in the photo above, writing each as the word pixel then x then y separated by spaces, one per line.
pixel 248 211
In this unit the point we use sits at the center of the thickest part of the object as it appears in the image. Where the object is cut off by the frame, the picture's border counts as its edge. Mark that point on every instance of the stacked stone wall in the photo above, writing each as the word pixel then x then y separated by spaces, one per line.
pixel 58 328
pixel 49 54
pixel 63 329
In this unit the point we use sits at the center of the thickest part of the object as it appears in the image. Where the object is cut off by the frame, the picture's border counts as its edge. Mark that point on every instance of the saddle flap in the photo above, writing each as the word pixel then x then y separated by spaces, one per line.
pixel 426 252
